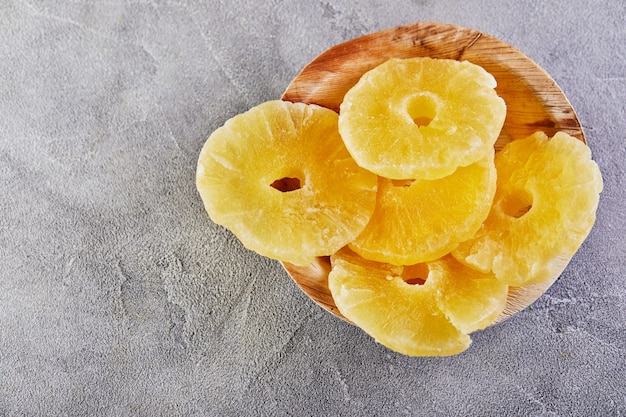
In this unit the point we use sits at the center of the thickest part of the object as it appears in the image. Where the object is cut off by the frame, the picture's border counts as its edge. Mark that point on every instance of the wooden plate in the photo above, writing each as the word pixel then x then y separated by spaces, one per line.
pixel 534 102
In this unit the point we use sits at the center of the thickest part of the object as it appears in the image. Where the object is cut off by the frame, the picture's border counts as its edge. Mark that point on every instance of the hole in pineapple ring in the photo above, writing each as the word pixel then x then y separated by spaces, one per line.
pixel 517 203
pixel 290 182
pixel 415 274
pixel 286 184
pixel 422 109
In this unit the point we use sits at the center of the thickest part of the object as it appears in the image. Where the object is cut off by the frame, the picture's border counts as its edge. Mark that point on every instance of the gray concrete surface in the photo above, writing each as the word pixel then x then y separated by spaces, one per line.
pixel 119 297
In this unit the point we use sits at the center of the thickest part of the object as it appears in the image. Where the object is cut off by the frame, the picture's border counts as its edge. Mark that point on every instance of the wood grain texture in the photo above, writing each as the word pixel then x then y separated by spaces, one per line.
pixel 534 102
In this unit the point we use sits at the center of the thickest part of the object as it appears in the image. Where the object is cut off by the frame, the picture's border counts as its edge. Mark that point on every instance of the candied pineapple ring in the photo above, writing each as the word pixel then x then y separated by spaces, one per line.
pixel 421 310
pixel 545 205
pixel 421 118
pixel 280 178
pixel 423 220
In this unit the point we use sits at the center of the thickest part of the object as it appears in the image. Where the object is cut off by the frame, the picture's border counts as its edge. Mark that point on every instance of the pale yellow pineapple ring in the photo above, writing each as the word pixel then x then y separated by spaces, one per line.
pixel 545 205
pixel 421 118
pixel 423 220
pixel 433 319
pixel 246 174
pixel 534 102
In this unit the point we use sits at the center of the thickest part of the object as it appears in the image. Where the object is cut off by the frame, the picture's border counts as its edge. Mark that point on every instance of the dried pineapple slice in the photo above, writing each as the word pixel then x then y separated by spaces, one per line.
pixel 280 178
pixel 421 118
pixel 545 205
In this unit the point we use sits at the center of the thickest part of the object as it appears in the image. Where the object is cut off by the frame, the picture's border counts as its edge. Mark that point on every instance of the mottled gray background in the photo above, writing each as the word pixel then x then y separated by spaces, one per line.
pixel 119 297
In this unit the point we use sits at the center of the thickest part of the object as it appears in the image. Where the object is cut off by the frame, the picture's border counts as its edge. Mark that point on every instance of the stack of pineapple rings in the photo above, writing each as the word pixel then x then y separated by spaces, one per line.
pixel 425 225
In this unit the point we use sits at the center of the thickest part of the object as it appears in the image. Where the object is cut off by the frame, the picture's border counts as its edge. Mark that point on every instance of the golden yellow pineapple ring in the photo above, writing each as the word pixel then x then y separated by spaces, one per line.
pixel 407 228
pixel 432 319
pixel 421 118
pixel 280 178
pixel 534 103
pixel 548 182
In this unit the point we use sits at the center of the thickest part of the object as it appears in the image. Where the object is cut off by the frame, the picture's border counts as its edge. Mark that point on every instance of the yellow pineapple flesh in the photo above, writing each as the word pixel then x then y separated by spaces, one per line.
pixel 425 309
pixel 280 178
pixel 399 315
pixel 421 118
pixel 470 299
pixel 422 220
pixel 545 204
